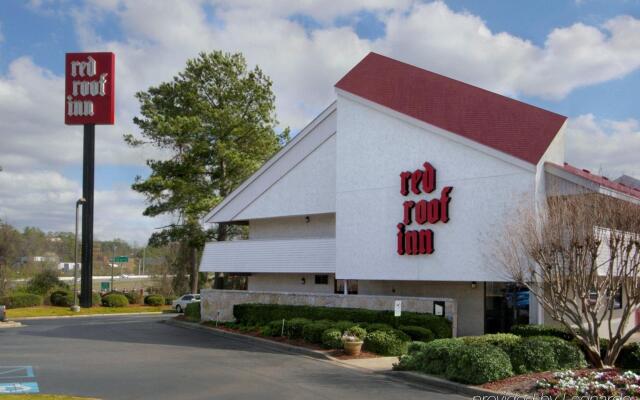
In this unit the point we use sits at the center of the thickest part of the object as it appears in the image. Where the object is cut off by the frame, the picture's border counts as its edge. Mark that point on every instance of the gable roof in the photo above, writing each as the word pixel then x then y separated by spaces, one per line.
pixel 513 127
pixel 598 180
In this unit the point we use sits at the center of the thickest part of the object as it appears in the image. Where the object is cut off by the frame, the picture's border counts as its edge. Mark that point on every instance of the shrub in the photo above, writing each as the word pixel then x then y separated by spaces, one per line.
pixel 169 299
pixel 96 299
pixel 385 343
pixel 629 357
pixel 273 328
pixel 332 339
pixel 434 357
pixel 356 331
pixel 294 328
pixel 312 332
pixel 44 282
pixel 61 298
pixel 541 330
pixel 192 312
pixel 115 300
pixel 417 333
pixel 377 327
pixel 19 300
pixel 478 363
pixel 154 300
pixel 134 297
pixel 505 341
pixel 544 353
pixel 415 347
pixel 252 313
pixel 342 325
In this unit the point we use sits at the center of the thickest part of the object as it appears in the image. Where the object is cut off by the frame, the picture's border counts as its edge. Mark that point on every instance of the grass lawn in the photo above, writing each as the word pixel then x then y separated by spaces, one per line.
pixel 46 311
pixel 42 397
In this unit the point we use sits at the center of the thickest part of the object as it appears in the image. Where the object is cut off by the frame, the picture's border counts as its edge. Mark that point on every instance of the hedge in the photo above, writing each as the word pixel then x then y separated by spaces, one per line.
pixel 540 330
pixel 96 299
pixel 294 328
pixel 629 357
pixel 312 332
pixel 134 297
pixel 61 298
pixel 19 300
pixel 332 339
pixel 505 341
pixel 261 314
pixel 192 311
pixel 478 363
pixel 115 300
pixel 418 333
pixel 545 353
pixel 431 358
pixel 386 343
pixel 154 300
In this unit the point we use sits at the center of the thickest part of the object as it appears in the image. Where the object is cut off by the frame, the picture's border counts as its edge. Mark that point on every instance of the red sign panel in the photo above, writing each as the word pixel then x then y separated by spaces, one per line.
pixel 89 88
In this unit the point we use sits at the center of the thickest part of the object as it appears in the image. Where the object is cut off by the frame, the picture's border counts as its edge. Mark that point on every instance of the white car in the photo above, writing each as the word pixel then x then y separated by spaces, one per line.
pixel 181 304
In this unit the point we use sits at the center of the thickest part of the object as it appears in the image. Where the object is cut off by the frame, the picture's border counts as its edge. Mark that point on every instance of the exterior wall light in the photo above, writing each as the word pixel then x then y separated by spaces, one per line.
pixel 474 284
pixel 307 219
pixel 303 280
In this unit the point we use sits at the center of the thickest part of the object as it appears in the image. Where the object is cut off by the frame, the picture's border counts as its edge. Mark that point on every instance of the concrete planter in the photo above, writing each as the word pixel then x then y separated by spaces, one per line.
pixel 352 348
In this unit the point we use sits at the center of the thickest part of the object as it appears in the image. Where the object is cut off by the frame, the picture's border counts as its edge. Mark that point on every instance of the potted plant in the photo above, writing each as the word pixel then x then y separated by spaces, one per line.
pixel 352 340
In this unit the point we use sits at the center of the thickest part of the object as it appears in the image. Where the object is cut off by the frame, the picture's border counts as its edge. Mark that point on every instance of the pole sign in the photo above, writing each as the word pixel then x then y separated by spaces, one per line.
pixel 89 89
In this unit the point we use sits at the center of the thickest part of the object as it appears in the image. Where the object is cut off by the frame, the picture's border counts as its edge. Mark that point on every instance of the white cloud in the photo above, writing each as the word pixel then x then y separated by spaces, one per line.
pixel 159 36
pixel 606 147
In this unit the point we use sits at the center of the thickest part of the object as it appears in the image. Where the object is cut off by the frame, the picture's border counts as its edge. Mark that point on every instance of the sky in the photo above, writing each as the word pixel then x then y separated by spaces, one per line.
pixel 579 58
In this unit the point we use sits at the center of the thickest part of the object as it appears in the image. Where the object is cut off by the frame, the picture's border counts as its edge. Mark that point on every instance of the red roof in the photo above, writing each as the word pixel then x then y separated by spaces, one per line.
pixel 600 180
pixel 507 125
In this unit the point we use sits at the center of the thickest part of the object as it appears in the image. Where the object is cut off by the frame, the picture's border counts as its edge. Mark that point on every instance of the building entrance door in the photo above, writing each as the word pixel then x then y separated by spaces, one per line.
pixel 505 304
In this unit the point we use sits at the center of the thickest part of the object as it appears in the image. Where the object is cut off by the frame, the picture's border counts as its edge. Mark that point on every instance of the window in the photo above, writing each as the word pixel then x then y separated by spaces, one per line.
pixel 322 279
pixel 352 286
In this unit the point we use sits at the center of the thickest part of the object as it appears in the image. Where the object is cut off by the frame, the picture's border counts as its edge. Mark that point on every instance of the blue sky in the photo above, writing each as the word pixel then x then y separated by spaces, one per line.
pixel 577 58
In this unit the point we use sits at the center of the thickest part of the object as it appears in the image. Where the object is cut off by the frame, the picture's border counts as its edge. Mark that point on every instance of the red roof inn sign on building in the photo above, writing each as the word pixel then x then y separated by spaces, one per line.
pixel 89 90
pixel 422 212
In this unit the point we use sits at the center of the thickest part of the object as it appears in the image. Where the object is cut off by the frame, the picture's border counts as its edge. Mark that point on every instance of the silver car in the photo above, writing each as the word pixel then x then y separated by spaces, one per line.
pixel 181 304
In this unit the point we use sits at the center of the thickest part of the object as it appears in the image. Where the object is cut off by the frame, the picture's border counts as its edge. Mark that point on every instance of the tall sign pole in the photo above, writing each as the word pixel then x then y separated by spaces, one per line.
pixel 89 101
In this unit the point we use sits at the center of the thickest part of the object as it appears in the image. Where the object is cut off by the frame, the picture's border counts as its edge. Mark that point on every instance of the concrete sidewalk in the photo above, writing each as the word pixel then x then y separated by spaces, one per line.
pixel 375 364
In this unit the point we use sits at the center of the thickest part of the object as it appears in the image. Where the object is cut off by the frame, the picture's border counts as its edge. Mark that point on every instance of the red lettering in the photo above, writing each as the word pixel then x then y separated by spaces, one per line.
pixel 400 237
pixel 421 212
pixel 428 178
pixel 444 203
pixel 404 182
pixel 433 211
pixel 426 241
pixel 408 206
pixel 416 178
pixel 411 242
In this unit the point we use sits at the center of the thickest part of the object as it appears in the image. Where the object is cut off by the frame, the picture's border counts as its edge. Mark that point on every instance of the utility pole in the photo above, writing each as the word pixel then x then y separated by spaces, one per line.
pixel 113 261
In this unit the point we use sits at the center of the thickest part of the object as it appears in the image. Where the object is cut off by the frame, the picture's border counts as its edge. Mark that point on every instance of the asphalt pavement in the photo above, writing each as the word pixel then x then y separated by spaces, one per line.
pixel 140 357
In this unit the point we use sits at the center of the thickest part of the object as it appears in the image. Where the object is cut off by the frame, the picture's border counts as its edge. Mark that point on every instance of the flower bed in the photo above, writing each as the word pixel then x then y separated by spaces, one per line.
pixel 593 383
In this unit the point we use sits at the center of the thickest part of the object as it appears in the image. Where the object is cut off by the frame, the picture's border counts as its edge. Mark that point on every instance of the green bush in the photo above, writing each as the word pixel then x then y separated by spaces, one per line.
pixel 386 343
pixel 61 298
pixel 44 282
pixel 273 328
pixel 19 300
pixel 264 313
pixel 115 300
pixel 342 325
pixel 432 358
pixel 478 363
pixel 545 353
pixel 96 299
pixel 505 341
pixel 418 333
pixel 169 299
pixel 312 332
pixel 540 330
pixel 192 312
pixel 415 347
pixel 356 331
pixel 376 327
pixel 294 328
pixel 629 357
pixel 154 300
pixel 332 339
pixel 134 297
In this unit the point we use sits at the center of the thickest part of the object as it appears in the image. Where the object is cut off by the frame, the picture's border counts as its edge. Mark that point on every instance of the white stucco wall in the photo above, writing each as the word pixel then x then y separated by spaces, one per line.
pixel 319 226
pixel 373 148
pixel 288 283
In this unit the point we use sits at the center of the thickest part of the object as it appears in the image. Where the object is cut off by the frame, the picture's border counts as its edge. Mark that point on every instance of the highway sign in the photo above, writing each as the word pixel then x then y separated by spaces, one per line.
pixel 120 259
pixel 19 388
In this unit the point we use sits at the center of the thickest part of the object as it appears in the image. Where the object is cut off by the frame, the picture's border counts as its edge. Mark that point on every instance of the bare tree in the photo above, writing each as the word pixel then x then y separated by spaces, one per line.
pixel 580 258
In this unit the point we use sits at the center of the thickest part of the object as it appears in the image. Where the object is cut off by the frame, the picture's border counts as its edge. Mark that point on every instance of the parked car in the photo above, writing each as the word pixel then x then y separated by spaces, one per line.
pixel 181 304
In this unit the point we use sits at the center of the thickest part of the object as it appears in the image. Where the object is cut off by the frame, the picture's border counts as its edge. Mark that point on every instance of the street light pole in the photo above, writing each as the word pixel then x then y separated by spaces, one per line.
pixel 75 306
pixel 113 262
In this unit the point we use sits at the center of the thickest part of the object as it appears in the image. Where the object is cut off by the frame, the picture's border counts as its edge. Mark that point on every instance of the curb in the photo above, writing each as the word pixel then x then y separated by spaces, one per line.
pixel 87 316
pixel 246 338
pixel 10 324
pixel 433 381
